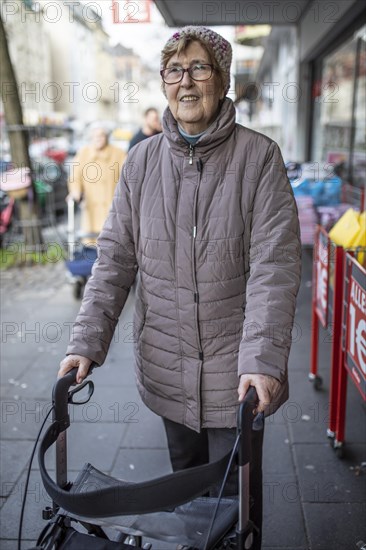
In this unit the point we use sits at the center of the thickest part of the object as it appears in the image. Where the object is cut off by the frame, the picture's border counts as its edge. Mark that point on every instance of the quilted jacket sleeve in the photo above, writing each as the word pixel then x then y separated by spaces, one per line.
pixel 274 276
pixel 112 276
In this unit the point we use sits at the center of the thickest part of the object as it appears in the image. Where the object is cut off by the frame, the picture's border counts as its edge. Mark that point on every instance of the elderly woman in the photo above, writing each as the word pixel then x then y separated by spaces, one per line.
pixel 206 212
pixel 95 174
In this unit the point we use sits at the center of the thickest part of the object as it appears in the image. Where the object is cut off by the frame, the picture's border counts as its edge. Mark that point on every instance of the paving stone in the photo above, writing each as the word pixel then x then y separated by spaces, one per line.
pixel 324 478
pixel 22 418
pixel 115 371
pixel 308 414
pixel 278 418
pixel 11 369
pixel 24 278
pixel 14 457
pixel 40 353
pixel 51 329
pixel 92 441
pixel 300 385
pixel 299 360
pixel 141 464
pixel 12 544
pixel 299 355
pixel 283 524
pixel 307 410
pixel 148 433
pixel 276 450
pixel 16 311
pixel 16 359
pixel 38 381
pixel 339 528
pixel 37 499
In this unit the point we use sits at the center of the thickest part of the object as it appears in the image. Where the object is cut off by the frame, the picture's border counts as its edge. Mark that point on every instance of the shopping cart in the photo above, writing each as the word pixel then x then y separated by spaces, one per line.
pixel 80 257
pixel 167 509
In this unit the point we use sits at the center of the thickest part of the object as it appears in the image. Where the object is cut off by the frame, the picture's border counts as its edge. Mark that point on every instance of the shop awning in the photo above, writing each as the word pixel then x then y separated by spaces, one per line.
pixel 241 12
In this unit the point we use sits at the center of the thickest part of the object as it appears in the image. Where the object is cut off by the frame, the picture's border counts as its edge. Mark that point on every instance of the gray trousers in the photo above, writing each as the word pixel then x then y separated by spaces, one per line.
pixel 188 448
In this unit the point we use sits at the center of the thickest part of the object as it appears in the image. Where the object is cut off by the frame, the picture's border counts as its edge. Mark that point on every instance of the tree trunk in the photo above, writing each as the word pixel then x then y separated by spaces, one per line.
pixel 18 138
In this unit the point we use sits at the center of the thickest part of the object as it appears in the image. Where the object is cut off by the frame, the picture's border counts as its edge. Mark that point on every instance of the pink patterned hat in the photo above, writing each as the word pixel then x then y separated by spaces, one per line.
pixel 217 44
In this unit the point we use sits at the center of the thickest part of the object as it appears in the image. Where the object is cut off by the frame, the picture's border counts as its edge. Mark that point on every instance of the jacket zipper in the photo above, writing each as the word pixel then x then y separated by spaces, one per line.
pixel 191 152
pixel 194 234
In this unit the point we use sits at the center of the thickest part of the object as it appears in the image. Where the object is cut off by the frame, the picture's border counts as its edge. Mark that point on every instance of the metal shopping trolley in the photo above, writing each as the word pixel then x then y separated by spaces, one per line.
pixel 169 509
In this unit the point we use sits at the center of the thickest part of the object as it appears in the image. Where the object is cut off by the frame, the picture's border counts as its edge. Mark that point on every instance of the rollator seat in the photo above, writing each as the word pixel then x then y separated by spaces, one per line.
pixel 186 524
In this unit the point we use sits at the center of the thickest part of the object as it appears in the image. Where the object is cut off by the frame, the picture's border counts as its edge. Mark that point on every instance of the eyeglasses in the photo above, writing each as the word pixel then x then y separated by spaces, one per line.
pixel 199 72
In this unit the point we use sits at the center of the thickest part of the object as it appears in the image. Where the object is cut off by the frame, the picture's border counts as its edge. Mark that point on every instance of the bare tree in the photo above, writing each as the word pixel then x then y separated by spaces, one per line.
pixel 18 137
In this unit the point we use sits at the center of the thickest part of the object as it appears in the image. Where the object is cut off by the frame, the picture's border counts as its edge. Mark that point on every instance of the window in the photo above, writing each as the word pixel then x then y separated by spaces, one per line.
pixel 358 141
pixel 28 4
pixel 339 97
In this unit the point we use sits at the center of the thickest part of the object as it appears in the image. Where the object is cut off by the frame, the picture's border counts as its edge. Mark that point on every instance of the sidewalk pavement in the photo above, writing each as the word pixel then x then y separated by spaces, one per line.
pixel 312 500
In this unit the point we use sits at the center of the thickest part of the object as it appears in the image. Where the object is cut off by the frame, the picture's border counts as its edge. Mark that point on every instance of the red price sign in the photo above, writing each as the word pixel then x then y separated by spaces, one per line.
pixel 322 278
pixel 131 11
pixel 356 330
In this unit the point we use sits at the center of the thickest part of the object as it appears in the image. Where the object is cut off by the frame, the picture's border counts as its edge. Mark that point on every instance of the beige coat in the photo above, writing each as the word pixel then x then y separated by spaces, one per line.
pixel 215 234
pixel 93 178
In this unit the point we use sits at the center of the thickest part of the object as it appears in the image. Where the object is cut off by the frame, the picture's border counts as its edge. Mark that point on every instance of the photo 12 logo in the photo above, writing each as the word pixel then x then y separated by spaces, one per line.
pixel 131 11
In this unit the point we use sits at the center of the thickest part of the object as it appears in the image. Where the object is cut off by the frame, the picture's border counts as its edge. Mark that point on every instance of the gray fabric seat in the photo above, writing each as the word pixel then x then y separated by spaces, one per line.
pixel 187 524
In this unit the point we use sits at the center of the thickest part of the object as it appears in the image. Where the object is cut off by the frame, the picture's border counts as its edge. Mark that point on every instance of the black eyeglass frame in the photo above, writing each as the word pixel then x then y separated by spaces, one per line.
pixel 213 68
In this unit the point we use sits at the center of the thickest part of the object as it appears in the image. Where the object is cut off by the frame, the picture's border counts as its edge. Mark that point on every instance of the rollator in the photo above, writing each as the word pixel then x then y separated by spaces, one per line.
pixel 168 509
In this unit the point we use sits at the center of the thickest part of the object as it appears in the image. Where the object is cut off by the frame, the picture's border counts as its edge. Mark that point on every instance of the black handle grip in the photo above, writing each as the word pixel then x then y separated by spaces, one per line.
pixel 245 422
pixel 60 396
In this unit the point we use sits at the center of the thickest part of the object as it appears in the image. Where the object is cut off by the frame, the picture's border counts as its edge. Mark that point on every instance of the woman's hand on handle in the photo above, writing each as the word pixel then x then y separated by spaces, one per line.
pixel 72 361
pixel 267 389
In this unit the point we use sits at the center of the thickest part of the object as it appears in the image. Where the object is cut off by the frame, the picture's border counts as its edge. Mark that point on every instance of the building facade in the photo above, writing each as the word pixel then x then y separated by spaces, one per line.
pixel 332 70
pixel 272 92
pixel 81 64
pixel 30 55
pixel 309 90
pixel 62 61
pixel 139 87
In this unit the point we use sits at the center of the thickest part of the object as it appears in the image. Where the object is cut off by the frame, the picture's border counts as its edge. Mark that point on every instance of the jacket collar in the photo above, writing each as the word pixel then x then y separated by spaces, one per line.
pixel 218 132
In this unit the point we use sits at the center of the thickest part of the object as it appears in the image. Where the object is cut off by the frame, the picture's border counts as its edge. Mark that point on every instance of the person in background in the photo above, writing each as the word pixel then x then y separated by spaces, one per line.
pixel 93 178
pixel 205 211
pixel 151 127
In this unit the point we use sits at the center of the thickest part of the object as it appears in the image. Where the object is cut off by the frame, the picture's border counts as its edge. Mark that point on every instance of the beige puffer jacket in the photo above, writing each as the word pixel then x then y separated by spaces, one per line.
pixel 214 232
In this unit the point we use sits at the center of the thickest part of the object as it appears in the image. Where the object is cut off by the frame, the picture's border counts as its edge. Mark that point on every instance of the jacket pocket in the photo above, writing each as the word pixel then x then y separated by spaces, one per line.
pixel 140 321
pixel 142 324
pixel 247 243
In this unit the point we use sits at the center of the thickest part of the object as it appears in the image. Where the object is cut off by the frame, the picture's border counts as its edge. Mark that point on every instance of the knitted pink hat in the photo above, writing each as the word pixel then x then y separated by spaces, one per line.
pixel 220 47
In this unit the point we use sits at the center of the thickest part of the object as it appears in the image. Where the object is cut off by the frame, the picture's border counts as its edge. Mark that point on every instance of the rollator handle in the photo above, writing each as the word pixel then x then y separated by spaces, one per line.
pixel 245 425
pixel 61 396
